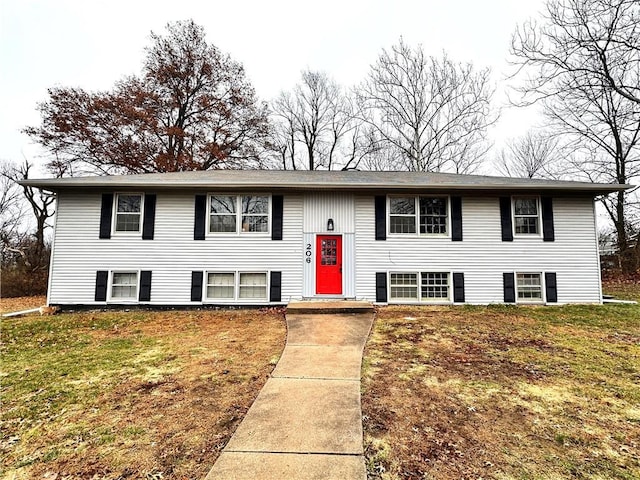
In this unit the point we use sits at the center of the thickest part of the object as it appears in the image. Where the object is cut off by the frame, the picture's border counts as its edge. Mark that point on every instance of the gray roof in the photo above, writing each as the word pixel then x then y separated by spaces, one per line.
pixel 319 180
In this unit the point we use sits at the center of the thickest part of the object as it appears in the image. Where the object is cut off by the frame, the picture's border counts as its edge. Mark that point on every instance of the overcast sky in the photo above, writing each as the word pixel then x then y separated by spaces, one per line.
pixel 92 43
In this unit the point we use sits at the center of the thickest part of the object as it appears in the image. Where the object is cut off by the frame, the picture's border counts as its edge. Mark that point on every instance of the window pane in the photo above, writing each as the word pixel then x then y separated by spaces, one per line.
pixel 525 206
pixel 127 222
pixel 526 224
pixel 128 210
pixel 435 286
pixel 222 223
pixel 254 223
pixel 433 215
pixel 402 224
pixel 129 203
pixel 529 286
pixel 404 286
pixel 403 206
pixel 221 285
pixel 251 204
pixel 223 204
pixel 124 285
pixel 253 285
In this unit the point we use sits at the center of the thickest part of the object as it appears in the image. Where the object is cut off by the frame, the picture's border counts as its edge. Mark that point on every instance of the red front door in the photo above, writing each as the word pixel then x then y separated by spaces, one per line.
pixel 329 264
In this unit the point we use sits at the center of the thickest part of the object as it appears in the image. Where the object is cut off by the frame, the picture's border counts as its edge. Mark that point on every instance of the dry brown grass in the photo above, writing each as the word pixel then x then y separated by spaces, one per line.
pixel 499 392
pixel 130 394
pixel 17 304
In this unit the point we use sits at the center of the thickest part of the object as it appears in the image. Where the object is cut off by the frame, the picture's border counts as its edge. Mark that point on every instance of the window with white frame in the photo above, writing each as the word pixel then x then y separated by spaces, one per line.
pixel 529 287
pixel 427 215
pixel 434 286
pixel 255 213
pixel 403 286
pixel 128 212
pixel 253 285
pixel 236 286
pixel 526 216
pixel 124 285
pixel 221 285
pixel 233 213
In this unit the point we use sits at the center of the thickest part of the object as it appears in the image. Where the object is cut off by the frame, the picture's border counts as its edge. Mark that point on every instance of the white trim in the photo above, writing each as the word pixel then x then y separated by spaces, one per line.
pixel 114 219
pixel 111 298
pixel 239 214
pixel 539 217
pixel 417 233
pixel 53 250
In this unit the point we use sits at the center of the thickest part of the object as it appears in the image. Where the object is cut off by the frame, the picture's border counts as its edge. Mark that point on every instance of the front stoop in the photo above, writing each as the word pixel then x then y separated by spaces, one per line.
pixel 329 306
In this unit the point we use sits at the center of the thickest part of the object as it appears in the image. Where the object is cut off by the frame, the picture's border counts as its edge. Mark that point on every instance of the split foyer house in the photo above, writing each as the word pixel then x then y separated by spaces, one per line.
pixel 267 237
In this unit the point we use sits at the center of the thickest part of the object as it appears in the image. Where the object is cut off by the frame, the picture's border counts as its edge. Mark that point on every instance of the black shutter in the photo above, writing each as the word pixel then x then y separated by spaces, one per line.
pixel 381 287
pixel 505 219
pixel 456 219
pixel 148 223
pixel 276 217
pixel 105 215
pixel 145 286
pixel 102 280
pixel 551 287
pixel 200 217
pixel 275 291
pixel 196 286
pixel 548 234
pixel 458 287
pixel 509 288
pixel 381 217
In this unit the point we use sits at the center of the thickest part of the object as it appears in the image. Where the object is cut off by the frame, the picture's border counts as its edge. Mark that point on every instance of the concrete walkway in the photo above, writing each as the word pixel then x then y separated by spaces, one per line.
pixel 306 422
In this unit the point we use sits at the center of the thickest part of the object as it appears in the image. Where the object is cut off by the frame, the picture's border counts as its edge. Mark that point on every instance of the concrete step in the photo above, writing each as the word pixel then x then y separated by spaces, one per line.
pixel 329 306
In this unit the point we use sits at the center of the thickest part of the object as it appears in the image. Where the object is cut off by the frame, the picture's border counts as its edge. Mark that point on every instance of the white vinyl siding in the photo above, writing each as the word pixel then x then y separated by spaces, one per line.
pixel 172 255
pixel 482 256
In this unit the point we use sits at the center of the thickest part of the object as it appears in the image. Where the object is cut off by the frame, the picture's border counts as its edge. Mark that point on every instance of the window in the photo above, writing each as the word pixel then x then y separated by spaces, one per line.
pixel 404 286
pixel 402 215
pixel 435 286
pixel 128 212
pixel 431 220
pixel 433 215
pixel 526 216
pixel 237 286
pixel 255 214
pixel 253 285
pixel 529 287
pixel 124 286
pixel 228 212
pixel 221 285
pixel 222 214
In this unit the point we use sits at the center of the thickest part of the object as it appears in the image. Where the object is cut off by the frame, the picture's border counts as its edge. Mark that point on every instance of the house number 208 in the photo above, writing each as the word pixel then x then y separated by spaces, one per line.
pixel 308 253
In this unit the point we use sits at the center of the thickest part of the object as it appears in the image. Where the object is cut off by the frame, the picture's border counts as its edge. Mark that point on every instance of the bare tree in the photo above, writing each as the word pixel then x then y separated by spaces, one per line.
pixel 432 112
pixel 311 123
pixel 535 155
pixel 583 64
